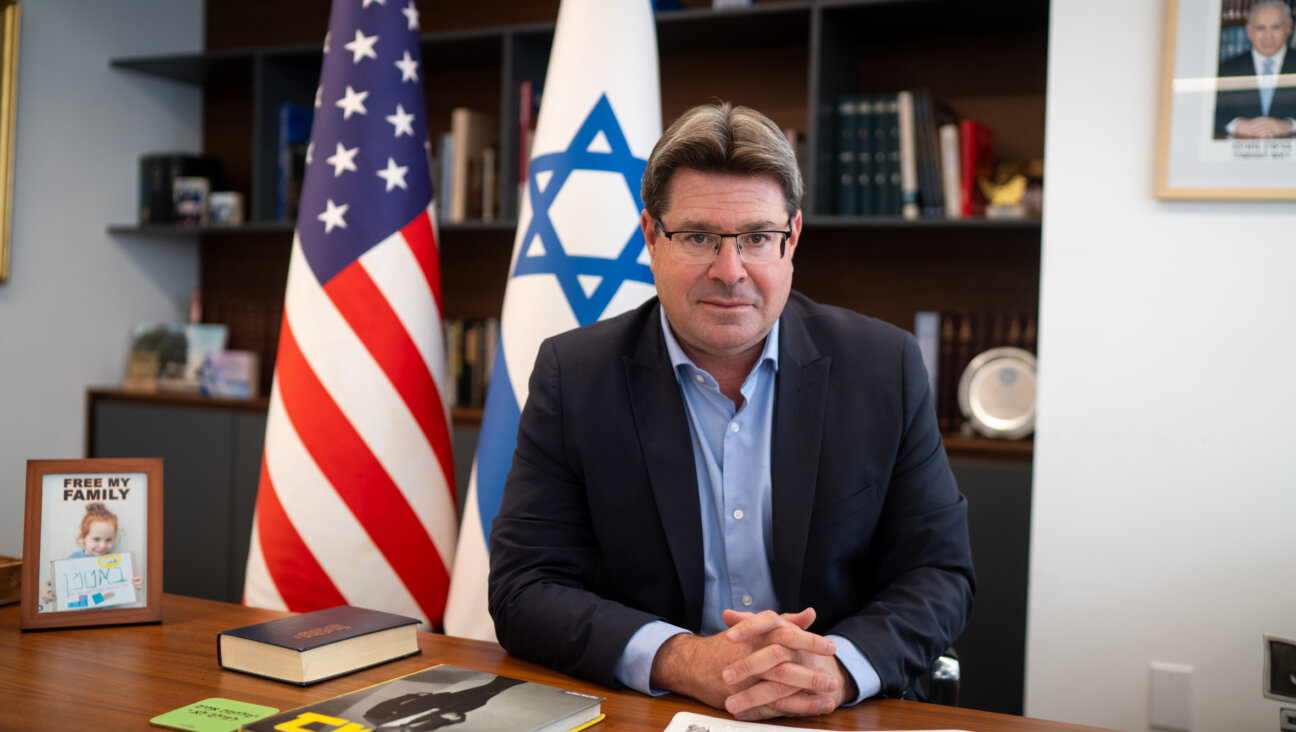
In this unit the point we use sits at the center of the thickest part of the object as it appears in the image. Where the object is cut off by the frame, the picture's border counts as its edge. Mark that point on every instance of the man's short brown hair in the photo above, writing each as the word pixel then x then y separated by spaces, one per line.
pixel 721 138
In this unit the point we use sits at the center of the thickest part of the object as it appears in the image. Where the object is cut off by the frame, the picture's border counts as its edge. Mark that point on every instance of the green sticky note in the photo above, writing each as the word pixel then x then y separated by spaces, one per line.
pixel 213 715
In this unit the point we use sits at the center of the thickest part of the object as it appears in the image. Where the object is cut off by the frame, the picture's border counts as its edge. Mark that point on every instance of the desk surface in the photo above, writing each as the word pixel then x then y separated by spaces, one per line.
pixel 120 677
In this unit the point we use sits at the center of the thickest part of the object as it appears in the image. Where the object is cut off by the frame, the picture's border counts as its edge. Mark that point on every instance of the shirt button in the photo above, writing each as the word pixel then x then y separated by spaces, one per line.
pixel 733 426
pixel 747 600
pixel 699 378
pixel 738 514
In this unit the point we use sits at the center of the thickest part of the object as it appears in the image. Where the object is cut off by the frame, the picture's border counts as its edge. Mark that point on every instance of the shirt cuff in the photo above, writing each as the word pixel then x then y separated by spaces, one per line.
pixel 865 676
pixel 634 669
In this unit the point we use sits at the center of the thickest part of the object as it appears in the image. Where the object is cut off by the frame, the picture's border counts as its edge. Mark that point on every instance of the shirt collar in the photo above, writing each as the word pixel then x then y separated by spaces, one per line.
pixel 1278 57
pixel 679 358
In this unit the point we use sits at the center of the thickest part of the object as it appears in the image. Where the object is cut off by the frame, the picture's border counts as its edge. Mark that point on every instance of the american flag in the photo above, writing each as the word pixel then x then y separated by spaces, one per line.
pixel 356 498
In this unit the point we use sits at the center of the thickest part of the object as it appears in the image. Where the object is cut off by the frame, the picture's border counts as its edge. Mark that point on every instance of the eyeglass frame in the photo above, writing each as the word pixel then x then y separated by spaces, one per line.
pixel 782 243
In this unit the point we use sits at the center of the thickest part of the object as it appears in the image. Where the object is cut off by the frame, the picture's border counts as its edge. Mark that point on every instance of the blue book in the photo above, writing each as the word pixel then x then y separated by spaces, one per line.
pixel 305 649
pixel 294 137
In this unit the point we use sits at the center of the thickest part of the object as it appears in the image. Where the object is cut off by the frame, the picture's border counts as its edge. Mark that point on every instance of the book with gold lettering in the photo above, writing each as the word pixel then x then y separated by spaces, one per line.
pixel 445 696
pixel 305 649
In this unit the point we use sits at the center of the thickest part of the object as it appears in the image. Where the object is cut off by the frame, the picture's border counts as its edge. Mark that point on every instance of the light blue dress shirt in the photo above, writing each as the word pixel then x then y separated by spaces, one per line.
pixel 731 454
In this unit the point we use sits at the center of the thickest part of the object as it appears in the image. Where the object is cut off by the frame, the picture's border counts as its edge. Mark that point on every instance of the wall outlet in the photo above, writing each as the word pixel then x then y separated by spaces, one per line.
pixel 1170 706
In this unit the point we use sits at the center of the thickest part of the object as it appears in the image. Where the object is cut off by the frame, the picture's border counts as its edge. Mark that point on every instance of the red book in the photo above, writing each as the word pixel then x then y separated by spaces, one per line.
pixel 976 147
pixel 526 130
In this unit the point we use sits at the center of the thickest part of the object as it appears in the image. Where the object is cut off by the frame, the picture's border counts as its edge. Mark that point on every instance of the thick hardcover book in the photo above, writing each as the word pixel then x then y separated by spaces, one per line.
pixel 864 202
pixel 471 133
pixel 305 649
pixel 951 180
pixel 846 160
pixel 891 138
pixel 294 137
pixel 910 207
pixel 976 145
pixel 444 696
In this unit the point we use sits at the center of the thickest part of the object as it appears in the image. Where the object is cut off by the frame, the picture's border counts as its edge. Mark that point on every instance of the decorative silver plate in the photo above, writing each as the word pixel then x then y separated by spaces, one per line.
pixel 997 393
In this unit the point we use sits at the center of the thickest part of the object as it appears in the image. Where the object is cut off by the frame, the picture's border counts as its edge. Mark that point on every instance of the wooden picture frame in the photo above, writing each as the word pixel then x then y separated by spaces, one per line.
pixel 112 509
pixel 10 14
pixel 1201 91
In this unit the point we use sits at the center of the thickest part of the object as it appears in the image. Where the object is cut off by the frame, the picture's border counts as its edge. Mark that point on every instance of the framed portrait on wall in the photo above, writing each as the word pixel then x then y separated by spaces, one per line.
pixel 1228 101
pixel 92 543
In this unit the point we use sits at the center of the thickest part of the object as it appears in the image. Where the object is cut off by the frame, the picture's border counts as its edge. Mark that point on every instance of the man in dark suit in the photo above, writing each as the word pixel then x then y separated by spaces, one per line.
pixel 731 492
pixel 1257 98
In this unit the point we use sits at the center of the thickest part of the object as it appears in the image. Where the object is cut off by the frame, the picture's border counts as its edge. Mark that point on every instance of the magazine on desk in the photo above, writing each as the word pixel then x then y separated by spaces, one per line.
pixel 446 696
pixel 690 722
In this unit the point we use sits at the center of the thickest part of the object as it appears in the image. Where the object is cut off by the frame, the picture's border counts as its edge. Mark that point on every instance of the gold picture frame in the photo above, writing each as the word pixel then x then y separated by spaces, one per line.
pixel 1196 157
pixel 92 543
pixel 9 20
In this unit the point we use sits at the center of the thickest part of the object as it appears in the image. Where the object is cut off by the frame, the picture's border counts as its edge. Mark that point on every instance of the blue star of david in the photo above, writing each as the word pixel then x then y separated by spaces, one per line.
pixel 555 260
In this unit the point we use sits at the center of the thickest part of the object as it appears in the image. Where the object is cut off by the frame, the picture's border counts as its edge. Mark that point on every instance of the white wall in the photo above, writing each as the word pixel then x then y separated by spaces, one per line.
pixel 74 291
pixel 1165 463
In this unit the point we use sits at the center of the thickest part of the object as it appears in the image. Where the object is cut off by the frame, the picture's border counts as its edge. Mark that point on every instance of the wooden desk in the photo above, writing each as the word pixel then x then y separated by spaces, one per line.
pixel 117 678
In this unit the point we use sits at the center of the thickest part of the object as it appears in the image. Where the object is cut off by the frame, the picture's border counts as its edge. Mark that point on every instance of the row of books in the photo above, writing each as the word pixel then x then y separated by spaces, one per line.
pixel 465 164
pixel 950 340
pixel 470 353
pixel 906 155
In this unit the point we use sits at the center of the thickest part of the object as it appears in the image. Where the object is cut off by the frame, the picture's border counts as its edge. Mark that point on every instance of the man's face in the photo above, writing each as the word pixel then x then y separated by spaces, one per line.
pixel 1268 30
pixel 723 309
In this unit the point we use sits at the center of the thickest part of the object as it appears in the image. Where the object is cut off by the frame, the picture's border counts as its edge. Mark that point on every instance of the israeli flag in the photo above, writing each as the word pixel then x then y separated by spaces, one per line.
pixel 578 256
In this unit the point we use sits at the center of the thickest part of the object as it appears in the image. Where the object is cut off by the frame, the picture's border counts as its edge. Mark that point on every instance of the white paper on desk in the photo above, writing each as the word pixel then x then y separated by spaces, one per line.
pixel 690 722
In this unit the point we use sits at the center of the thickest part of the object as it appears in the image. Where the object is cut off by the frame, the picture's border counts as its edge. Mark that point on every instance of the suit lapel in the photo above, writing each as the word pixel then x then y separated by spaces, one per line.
pixel 668 455
pixel 800 401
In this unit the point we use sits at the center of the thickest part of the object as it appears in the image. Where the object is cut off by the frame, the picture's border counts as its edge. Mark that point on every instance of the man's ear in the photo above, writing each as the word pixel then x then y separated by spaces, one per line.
pixel 795 227
pixel 648 225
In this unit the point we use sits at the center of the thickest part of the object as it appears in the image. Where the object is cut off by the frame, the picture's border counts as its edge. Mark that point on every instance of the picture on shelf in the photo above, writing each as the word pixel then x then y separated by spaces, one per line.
pixel 174 353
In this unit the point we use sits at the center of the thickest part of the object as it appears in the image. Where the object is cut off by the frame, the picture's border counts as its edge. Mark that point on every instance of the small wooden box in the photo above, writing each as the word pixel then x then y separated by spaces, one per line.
pixel 10 579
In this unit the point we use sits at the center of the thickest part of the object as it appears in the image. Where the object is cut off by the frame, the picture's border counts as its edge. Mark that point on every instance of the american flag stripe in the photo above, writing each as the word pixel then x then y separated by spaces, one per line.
pixel 300 574
pixel 359 479
pixel 422 241
pixel 354 565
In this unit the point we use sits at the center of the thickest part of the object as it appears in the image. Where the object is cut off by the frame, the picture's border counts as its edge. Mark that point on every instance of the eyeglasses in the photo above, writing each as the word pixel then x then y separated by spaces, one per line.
pixel 702 247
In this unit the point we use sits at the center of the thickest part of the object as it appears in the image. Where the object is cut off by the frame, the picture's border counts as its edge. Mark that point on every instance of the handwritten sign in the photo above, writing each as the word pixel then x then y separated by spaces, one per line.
pixel 93 582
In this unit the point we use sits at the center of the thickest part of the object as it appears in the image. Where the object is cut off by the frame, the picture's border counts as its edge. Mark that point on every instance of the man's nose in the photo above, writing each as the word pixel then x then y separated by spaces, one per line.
pixel 728 265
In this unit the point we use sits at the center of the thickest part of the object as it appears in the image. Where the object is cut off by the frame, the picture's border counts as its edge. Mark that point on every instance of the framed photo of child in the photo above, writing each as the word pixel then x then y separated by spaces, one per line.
pixel 92 543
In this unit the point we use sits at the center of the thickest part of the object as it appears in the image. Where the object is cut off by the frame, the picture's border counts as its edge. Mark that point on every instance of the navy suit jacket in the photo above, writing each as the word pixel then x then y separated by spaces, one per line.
pixel 599 531
pixel 1245 103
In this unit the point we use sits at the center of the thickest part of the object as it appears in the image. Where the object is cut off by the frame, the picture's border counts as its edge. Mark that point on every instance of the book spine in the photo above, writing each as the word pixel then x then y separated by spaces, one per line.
pixel 865 201
pixel 459 162
pixel 946 384
pixel 893 187
pixel 927 333
pixel 881 156
pixel 976 145
pixel 950 178
pixel 445 146
pixel 845 157
pixel 908 165
pixel 525 130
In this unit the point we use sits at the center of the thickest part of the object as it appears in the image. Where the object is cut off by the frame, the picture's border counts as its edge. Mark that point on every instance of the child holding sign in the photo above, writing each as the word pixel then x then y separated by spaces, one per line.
pixel 97 535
